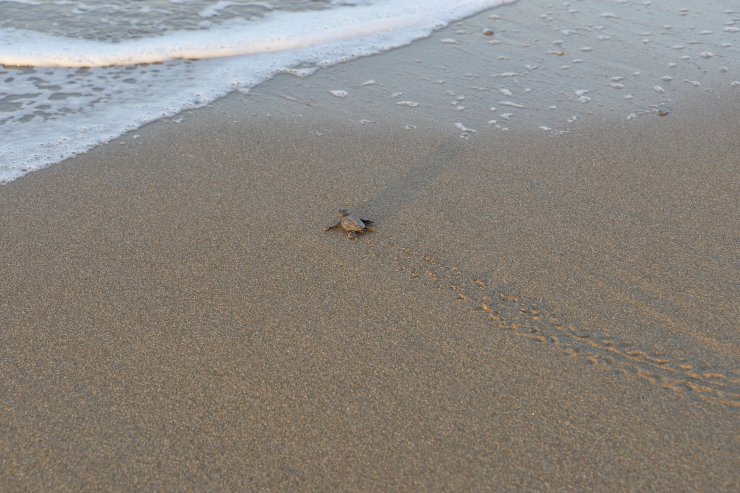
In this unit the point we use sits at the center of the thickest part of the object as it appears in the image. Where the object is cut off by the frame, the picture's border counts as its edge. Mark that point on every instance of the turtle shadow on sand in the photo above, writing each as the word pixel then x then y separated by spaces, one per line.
pixel 351 224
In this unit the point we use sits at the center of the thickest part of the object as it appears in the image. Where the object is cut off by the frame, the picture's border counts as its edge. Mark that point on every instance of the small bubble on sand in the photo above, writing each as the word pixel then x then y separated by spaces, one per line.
pixel 581 92
pixel 731 29
pixel 492 108
pixel 706 32
pixel 338 93
pixel 546 129
pixel 658 89
pixel 412 104
pixel 511 104
pixel 631 116
pixel 735 83
pixel 707 54
pixel 532 67
pixel 617 78
pixel 587 48
pixel 673 64
pixel 666 78
pixel 449 41
pixel 616 85
pixel 410 127
pixel 369 82
pixel 506 116
pixel 396 94
pixel 465 130
pixel 506 92
pixel 584 99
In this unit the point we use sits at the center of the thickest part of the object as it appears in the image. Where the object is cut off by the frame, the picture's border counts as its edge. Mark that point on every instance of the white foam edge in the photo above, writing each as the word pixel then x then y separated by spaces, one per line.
pixel 277 32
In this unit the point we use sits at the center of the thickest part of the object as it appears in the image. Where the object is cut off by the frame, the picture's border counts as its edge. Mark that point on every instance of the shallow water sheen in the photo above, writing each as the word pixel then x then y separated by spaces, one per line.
pixel 121 20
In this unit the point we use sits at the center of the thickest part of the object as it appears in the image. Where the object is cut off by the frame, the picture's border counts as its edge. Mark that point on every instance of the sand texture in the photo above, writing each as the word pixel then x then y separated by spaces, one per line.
pixel 536 310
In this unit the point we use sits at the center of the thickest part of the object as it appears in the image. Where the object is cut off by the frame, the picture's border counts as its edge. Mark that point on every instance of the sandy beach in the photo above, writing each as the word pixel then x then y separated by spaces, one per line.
pixel 547 303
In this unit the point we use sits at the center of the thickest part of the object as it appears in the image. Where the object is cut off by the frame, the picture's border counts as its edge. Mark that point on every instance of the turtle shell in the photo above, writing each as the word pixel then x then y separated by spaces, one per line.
pixel 352 223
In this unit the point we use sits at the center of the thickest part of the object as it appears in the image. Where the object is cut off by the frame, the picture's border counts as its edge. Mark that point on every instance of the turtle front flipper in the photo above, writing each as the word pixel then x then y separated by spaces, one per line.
pixel 333 226
pixel 368 222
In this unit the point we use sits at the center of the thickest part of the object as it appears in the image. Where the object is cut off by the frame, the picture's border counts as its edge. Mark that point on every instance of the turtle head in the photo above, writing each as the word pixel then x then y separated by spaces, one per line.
pixel 343 212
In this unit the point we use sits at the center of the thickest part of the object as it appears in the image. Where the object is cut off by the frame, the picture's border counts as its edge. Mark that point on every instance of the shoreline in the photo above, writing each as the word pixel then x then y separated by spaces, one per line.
pixel 535 310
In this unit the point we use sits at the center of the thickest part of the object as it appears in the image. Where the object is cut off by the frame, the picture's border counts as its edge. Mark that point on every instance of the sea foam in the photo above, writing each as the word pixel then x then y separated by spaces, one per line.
pixel 72 94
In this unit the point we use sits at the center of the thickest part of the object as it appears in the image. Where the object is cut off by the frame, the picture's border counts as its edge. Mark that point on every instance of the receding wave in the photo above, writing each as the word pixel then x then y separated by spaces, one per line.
pixel 279 32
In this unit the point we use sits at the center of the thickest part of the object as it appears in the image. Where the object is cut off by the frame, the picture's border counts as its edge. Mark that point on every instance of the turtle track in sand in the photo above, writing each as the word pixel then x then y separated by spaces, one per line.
pixel 503 309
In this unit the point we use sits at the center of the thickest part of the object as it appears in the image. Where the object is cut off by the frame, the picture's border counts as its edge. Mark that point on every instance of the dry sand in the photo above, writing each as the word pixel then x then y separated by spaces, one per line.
pixel 537 310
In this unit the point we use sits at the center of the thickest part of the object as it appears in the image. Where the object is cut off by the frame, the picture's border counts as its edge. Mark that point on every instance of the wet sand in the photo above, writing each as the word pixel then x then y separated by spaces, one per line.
pixel 536 310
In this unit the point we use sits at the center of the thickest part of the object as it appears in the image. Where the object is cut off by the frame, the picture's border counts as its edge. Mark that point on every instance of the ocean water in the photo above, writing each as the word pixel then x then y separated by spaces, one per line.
pixel 78 73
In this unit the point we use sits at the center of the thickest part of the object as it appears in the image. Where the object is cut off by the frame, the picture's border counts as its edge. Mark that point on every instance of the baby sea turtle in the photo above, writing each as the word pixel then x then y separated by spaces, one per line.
pixel 351 223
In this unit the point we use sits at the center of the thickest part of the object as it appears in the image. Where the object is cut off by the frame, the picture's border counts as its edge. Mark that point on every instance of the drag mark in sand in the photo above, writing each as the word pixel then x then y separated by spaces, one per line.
pixel 503 309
